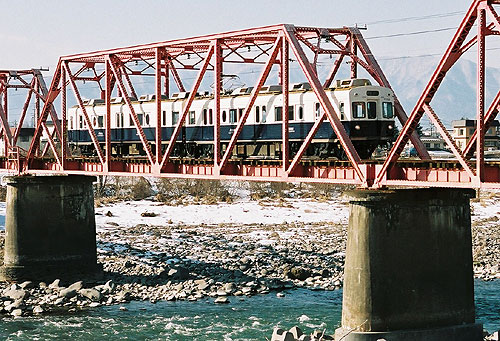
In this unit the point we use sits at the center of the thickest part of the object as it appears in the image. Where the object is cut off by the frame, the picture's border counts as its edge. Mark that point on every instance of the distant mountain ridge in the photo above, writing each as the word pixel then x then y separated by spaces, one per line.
pixel 456 97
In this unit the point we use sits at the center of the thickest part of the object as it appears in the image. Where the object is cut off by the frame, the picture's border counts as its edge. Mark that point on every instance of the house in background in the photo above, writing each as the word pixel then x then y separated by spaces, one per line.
pixel 23 140
pixel 432 140
pixel 463 130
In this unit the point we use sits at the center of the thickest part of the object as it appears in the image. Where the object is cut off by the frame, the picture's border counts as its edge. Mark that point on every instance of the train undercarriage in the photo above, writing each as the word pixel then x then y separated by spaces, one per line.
pixel 250 150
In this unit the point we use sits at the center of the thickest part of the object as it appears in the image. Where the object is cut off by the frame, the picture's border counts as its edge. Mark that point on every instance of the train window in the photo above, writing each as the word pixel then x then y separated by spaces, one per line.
pixel 147 119
pixel 94 122
pixel 164 117
pixel 372 93
pixel 358 110
pixel 210 117
pixel 264 114
pixel 240 113
pixel 224 116
pixel 291 113
pixel 372 110
pixel 232 115
pixel 100 121
pixel 342 110
pixel 192 117
pixel 257 114
pixel 175 117
pixel 140 118
pixel 71 123
pixel 278 114
pixel 121 120
pixel 317 111
pixel 118 120
pixel 301 112
pixel 205 118
pixel 387 110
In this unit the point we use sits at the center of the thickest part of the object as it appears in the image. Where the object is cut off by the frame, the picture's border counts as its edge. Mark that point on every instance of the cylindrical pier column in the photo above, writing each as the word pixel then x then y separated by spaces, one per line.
pixel 50 228
pixel 408 270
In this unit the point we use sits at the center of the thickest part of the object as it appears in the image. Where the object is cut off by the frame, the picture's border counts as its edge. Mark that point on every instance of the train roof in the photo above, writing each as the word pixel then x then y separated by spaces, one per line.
pixel 346 84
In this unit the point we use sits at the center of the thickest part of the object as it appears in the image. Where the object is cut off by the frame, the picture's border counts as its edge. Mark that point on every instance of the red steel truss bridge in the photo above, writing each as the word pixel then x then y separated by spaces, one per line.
pixel 275 46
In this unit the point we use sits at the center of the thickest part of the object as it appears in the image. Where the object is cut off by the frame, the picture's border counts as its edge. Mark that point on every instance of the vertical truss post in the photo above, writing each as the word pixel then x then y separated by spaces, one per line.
pixel 37 110
pixel 108 74
pixel 6 139
pixel 64 122
pixel 284 89
pixel 166 84
pixel 354 52
pixel 217 96
pixel 481 32
pixel 158 58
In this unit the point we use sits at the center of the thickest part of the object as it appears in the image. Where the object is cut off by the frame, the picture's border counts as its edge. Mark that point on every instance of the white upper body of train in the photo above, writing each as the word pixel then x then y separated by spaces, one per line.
pixel 353 99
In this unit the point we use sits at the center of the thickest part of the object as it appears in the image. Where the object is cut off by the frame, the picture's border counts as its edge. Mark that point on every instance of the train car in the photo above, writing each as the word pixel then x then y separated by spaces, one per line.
pixel 366 112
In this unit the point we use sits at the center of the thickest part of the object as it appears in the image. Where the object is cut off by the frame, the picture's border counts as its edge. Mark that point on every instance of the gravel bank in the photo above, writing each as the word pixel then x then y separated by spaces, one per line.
pixel 174 261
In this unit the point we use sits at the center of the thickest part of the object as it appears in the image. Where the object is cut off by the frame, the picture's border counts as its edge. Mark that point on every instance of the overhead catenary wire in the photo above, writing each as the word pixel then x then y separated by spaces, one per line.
pixel 416 18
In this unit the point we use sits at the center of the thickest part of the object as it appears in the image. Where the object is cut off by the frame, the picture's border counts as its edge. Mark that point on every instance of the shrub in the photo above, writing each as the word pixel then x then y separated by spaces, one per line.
pixel 141 189
pixel 207 191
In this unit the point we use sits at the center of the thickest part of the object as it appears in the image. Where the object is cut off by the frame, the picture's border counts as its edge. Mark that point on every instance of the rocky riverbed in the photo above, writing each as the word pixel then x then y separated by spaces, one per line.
pixel 219 261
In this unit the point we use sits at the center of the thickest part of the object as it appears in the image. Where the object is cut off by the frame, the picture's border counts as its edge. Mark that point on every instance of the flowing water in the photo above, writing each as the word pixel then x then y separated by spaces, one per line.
pixel 248 319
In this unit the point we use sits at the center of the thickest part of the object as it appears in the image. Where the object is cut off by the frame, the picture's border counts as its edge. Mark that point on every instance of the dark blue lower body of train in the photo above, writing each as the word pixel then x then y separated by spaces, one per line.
pixel 254 140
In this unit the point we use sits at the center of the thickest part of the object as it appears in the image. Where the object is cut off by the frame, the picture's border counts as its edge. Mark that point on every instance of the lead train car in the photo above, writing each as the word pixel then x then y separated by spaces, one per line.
pixel 366 112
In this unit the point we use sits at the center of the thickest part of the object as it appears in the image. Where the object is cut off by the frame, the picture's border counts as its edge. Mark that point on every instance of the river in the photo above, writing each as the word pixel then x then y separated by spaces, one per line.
pixel 246 319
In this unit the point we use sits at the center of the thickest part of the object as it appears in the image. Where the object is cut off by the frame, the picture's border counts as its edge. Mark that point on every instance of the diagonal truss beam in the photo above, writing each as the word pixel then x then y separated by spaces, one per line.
pixel 79 100
pixel 255 91
pixel 5 127
pixel 187 107
pixel 175 74
pixel 489 117
pixel 331 113
pixel 447 61
pixel 23 112
pixel 448 139
pixel 52 93
pixel 375 70
pixel 114 64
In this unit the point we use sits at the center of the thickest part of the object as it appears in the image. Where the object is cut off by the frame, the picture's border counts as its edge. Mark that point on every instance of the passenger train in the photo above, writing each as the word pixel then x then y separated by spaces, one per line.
pixel 366 112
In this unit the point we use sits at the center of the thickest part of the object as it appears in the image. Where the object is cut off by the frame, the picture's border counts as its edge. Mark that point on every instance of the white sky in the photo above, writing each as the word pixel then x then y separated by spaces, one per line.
pixel 36 33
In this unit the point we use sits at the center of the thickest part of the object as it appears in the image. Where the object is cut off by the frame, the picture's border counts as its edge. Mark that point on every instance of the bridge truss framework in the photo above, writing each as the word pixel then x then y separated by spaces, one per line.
pixel 112 71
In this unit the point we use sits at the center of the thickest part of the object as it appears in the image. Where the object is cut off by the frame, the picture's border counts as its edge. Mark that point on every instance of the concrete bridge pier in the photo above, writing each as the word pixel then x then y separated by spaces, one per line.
pixel 408 270
pixel 49 228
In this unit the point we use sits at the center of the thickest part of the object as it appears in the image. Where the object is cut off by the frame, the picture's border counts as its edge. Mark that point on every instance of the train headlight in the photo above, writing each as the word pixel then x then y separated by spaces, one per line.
pixel 357 127
pixel 390 127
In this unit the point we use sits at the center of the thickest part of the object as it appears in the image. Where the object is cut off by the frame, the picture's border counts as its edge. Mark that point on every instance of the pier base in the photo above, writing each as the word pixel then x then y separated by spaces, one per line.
pixel 408 269
pixel 49 228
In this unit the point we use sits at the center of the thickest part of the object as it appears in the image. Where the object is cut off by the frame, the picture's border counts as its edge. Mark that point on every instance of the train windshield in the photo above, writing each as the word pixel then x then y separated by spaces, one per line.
pixel 372 110
pixel 387 110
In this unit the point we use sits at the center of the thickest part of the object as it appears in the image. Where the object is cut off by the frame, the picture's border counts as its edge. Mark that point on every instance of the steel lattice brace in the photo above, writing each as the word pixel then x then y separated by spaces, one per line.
pixel 112 71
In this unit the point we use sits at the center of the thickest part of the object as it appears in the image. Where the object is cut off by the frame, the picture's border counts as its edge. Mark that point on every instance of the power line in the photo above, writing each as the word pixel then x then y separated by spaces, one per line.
pixel 413 33
pixel 416 18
